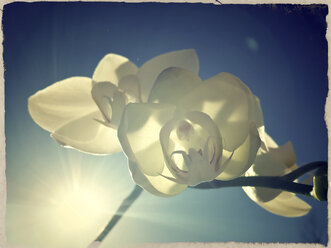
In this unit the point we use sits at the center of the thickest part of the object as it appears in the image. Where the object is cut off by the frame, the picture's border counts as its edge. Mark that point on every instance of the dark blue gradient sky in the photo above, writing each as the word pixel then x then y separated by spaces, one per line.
pixel 280 52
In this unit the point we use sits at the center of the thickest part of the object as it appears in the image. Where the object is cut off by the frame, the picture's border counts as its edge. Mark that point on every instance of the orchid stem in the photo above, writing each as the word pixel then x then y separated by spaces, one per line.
pixel 304 169
pixel 275 182
pixel 259 181
pixel 126 204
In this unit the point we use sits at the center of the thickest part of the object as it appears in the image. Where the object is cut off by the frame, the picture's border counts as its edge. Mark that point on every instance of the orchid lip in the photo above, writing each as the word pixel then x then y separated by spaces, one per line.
pixel 207 155
pixel 196 138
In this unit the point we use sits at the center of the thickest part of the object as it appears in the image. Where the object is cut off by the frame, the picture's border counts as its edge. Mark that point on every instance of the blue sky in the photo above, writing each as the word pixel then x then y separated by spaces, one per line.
pixel 279 51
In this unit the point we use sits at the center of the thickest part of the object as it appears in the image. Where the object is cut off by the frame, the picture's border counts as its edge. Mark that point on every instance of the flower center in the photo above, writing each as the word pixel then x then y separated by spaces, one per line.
pixel 192 147
pixel 183 160
pixel 184 130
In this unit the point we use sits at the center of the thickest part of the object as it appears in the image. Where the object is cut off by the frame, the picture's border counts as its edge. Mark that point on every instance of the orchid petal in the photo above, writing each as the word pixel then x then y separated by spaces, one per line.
pixel 156 185
pixel 257 118
pixel 88 135
pixel 61 102
pixel 110 101
pixel 112 67
pixel 149 71
pixel 242 157
pixel 270 141
pixel 139 135
pixel 264 165
pixel 286 204
pixel 102 94
pixel 229 102
pixel 172 84
pixel 277 162
pixel 256 114
pixel 131 86
pixel 285 154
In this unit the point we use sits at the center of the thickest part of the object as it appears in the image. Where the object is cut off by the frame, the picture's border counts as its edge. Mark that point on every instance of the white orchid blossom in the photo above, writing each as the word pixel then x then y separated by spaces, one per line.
pixel 175 129
pixel 278 161
pixel 191 131
pixel 84 113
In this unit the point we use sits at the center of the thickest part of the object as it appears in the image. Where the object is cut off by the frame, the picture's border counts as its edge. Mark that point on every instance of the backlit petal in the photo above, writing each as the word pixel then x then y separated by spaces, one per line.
pixel 88 135
pixel 228 101
pixel 156 185
pixel 172 84
pixel 264 165
pixel 102 94
pixel 110 101
pixel 285 154
pixel 61 103
pixel 257 117
pixel 270 141
pixel 139 135
pixel 277 162
pixel 286 204
pixel 112 68
pixel 243 156
pixel 131 86
pixel 149 71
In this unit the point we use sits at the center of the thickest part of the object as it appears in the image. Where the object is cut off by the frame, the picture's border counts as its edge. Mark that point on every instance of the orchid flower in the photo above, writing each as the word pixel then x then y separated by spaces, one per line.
pixel 278 161
pixel 191 131
pixel 84 113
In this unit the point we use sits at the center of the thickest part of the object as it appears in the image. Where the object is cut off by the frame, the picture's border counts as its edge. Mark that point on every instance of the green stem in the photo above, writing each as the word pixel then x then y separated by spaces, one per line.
pixel 304 169
pixel 259 181
pixel 126 204
pixel 282 182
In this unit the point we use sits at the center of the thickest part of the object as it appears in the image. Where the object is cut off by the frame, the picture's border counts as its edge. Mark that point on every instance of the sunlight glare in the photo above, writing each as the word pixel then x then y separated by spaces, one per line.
pixel 76 208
